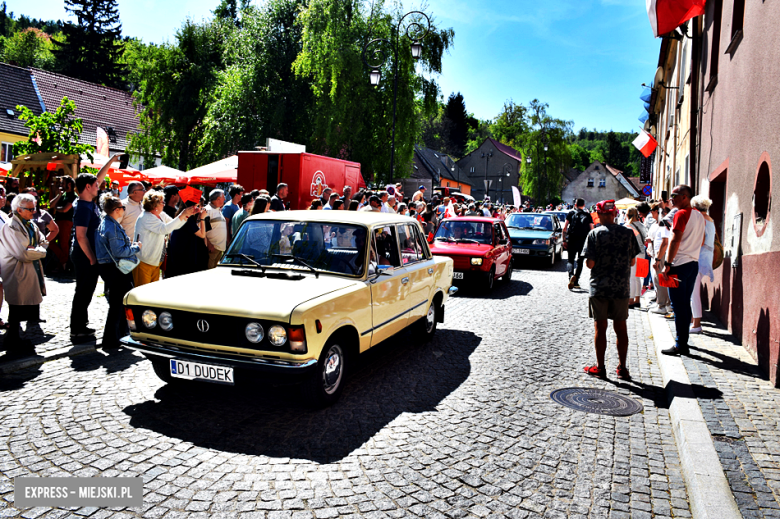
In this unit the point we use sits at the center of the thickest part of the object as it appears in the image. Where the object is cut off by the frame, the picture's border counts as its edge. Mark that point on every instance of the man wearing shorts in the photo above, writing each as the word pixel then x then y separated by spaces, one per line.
pixel 610 252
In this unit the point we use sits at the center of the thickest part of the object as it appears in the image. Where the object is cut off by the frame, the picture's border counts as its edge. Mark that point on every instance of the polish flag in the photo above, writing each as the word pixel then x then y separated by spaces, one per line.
pixel 645 143
pixel 101 142
pixel 667 15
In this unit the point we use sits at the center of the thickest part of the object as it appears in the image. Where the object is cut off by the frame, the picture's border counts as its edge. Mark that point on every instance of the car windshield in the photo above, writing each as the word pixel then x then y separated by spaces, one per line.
pixel 465 232
pixel 326 247
pixel 536 222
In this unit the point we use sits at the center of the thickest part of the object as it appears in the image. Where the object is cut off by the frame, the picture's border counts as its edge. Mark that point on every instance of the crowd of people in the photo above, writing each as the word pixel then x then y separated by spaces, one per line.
pixel 678 240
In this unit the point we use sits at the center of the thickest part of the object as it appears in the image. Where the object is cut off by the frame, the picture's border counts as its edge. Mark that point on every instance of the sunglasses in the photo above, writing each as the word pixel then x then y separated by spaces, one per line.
pixel 675 194
pixel 31 209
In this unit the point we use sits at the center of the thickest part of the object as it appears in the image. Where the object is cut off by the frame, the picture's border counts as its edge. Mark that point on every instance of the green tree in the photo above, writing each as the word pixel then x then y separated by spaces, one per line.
pixel 173 85
pixel 29 48
pixel 580 157
pixel 91 50
pixel 351 120
pixel 511 125
pixel 258 95
pixel 455 112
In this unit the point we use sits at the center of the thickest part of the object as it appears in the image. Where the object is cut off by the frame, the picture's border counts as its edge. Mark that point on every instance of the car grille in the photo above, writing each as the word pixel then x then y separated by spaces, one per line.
pixel 222 330
pixel 518 241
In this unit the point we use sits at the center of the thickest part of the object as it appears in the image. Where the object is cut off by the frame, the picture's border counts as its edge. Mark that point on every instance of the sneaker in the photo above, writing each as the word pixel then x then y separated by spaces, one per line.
pixel 697 329
pixel 659 310
pixel 572 282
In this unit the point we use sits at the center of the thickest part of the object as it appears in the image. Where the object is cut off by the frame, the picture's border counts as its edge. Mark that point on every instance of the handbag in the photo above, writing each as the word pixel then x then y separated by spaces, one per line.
pixel 125 265
pixel 717 253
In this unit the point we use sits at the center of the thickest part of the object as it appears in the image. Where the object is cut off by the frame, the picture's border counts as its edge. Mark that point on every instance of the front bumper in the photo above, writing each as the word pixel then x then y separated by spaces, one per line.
pixel 534 251
pixel 284 367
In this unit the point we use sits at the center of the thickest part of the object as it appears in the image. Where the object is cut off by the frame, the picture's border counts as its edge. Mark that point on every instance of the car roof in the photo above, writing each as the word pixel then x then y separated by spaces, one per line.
pixel 483 219
pixel 368 218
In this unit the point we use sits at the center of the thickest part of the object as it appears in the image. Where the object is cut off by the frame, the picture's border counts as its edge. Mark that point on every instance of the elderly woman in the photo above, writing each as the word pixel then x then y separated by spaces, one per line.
pixel 702 204
pixel 4 219
pixel 151 229
pixel 22 247
pixel 111 245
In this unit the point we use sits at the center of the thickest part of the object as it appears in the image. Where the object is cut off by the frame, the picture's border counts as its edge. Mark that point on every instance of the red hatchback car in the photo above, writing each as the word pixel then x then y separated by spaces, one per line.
pixel 480 248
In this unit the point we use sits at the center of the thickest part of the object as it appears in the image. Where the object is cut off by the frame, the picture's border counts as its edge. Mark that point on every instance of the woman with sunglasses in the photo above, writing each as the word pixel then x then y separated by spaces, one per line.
pixel 111 245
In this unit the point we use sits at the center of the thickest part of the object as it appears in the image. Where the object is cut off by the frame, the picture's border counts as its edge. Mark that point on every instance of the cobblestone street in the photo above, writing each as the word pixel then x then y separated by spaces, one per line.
pixel 460 427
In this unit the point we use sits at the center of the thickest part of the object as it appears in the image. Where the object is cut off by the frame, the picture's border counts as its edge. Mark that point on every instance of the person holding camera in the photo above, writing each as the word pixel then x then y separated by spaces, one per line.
pixel 112 245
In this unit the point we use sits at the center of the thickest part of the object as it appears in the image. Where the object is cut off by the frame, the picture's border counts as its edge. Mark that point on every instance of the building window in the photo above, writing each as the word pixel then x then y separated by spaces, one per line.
pixel 603 182
pixel 762 196
pixel 590 182
pixel 717 9
pixel 687 178
pixel 738 19
pixel 448 184
pixel 7 152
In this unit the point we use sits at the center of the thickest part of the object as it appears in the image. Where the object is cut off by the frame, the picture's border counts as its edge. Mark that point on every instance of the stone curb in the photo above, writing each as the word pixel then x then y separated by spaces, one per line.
pixel 709 494
pixel 37 360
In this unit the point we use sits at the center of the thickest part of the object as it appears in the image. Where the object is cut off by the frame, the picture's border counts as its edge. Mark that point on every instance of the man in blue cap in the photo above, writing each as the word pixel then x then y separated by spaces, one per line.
pixel 419 195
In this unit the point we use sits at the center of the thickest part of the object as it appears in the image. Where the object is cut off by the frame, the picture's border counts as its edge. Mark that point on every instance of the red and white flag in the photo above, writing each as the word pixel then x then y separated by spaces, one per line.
pixel 667 15
pixel 645 143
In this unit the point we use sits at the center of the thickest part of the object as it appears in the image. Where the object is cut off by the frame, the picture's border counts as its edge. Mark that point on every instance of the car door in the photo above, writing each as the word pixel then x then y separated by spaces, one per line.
pixel 504 245
pixel 419 268
pixel 389 287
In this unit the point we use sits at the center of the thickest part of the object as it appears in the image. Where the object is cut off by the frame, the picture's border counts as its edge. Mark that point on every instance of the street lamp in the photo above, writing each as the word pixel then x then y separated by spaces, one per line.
pixel 374 57
pixel 487 156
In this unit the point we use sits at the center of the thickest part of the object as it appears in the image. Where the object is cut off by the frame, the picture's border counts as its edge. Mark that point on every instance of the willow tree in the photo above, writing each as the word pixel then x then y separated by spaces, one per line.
pixel 352 119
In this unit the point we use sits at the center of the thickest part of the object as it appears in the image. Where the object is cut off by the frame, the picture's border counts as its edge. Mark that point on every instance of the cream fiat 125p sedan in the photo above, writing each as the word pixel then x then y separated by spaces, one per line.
pixel 298 296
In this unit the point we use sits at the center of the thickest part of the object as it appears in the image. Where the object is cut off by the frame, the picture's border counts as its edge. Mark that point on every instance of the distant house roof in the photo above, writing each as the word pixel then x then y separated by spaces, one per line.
pixel 571 174
pixel 506 150
pixel 635 181
pixel 96 105
pixel 623 181
pixel 438 166
pixel 17 87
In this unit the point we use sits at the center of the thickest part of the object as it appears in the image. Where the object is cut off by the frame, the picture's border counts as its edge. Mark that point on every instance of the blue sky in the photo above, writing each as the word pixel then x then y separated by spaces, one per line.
pixel 585 58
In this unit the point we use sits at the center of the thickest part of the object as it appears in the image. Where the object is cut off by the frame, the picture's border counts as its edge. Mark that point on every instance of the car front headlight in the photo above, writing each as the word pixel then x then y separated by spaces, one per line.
pixel 277 335
pixel 476 261
pixel 541 242
pixel 254 332
pixel 166 321
pixel 149 319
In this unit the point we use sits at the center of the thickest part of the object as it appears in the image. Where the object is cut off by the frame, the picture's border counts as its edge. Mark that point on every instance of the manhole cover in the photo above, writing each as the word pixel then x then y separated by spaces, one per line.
pixel 596 401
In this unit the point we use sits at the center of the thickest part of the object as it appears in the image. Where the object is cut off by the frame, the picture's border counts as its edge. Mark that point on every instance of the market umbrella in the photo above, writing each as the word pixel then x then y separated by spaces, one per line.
pixel 225 170
pixel 123 176
pixel 625 203
pixel 165 175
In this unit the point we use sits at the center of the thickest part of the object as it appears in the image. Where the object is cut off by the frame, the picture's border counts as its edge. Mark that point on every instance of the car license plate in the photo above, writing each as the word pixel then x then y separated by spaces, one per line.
pixel 457 275
pixel 521 251
pixel 199 371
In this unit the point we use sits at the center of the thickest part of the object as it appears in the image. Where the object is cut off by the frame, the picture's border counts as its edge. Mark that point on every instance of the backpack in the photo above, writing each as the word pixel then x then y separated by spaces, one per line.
pixel 717 253
pixel 579 226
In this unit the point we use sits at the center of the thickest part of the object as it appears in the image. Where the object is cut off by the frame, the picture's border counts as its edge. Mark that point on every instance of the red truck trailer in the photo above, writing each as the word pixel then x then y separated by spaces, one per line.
pixel 307 175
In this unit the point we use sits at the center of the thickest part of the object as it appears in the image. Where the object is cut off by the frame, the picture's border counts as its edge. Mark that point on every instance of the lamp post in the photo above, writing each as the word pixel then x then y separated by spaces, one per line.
pixel 487 156
pixel 546 145
pixel 507 170
pixel 375 58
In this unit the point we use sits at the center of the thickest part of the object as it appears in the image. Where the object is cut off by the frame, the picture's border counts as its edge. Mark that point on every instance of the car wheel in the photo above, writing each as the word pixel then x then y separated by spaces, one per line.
pixel 426 327
pixel 324 387
pixel 507 278
pixel 491 277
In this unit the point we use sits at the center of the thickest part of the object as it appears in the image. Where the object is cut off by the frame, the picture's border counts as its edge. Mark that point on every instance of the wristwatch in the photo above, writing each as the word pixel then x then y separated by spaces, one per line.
pixel 667 263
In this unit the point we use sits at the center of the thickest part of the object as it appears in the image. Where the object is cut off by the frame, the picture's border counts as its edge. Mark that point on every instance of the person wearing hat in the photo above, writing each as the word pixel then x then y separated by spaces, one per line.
pixel 419 195
pixel 610 251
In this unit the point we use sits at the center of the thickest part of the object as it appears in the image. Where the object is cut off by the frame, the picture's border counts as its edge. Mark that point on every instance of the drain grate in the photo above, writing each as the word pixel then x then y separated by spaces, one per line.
pixel 596 401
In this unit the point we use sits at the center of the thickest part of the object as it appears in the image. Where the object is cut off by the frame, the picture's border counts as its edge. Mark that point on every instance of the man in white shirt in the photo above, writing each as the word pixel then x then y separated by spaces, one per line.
pixel 216 237
pixel 682 260
pixel 133 207
pixel 373 205
pixel 391 203
pixel 383 201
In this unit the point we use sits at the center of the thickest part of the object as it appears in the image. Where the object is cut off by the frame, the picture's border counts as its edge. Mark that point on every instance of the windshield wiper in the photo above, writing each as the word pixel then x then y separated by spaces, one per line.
pixel 246 257
pixel 512 227
pixel 299 261
pixel 466 240
pixel 445 238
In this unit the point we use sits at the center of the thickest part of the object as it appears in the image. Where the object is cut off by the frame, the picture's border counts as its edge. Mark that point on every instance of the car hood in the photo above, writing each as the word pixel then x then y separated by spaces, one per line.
pixel 217 291
pixel 460 249
pixel 525 234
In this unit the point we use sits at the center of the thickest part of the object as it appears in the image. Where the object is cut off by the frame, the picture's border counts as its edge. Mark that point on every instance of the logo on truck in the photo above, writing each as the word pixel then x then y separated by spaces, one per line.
pixel 318 183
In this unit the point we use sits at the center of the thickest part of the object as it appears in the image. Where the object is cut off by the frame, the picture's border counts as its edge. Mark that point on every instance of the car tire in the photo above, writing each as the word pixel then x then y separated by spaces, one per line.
pixel 324 387
pixel 490 279
pixel 425 328
pixel 507 277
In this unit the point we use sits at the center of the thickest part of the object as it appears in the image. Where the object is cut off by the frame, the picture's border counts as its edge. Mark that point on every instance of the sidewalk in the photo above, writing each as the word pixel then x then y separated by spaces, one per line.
pixel 741 410
pixel 52 338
